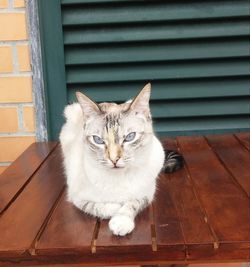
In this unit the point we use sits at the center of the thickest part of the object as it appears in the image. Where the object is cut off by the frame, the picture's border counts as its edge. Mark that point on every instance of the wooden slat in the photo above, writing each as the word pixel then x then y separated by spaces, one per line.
pixel 15 177
pixel 169 235
pixel 182 89
pixel 22 221
pixel 203 125
pixel 197 108
pixel 76 2
pixel 226 205
pixel 244 138
pixel 168 229
pixel 155 32
pixel 158 71
pixel 139 239
pixel 151 11
pixel 236 158
pixel 68 231
pixel 192 218
pixel 107 54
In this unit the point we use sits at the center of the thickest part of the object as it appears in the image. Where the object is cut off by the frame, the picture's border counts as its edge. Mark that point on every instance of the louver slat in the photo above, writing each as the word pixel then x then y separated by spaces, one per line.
pixel 158 32
pixel 201 124
pixel 169 90
pixel 153 71
pixel 196 55
pixel 155 52
pixel 191 108
pixel 151 11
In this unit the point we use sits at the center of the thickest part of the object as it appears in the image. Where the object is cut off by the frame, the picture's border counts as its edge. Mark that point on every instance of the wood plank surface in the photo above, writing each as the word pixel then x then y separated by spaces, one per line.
pixel 69 231
pixel 226 205
pixel 235 158
pixel 167 223
pixel 169 234
pixel 200 214
pixel 140 238
pixel 15 177
pixel 192 218
pixel 21 222
pixel 244 138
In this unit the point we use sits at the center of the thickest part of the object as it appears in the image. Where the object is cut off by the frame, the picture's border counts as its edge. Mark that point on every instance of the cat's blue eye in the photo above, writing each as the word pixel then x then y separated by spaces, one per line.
pixel 98 140
pixel 130 137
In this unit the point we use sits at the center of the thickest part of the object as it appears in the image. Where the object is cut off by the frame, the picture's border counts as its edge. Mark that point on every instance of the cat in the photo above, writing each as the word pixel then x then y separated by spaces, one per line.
pixel 112 158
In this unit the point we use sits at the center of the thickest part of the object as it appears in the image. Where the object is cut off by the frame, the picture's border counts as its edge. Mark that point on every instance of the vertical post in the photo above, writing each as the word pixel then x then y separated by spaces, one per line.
pixel 51 33
pixel 37 71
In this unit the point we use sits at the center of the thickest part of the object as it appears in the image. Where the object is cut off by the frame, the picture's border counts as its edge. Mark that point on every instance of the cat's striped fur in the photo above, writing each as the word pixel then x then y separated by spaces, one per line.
pixel 173 161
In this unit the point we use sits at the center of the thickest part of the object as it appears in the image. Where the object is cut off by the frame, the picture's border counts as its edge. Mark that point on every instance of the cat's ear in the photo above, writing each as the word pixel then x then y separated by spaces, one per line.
pixel 89 107
pixel 140 104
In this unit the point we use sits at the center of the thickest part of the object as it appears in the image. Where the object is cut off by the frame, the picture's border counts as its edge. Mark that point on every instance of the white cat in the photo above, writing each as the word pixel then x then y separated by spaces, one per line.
pixel 111 158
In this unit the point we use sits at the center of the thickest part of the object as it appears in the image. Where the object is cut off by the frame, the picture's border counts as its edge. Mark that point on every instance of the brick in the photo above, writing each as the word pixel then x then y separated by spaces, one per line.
pixel 13 27
pixel 19 3
pixel 3 3
pixel 12 147
pixel 3 168
pixel 23 57
pixel 15 89
pixel 8 119
pixel 6 59
pixel 28 119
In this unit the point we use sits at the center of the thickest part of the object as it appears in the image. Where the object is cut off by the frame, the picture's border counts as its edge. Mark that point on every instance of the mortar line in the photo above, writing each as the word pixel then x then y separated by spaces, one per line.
pixel 15 104
pixel 18 134
pixel 17 10
pixel 5 163
pixel 20 118
pixel 15 61
pixel 3 43
pixel 18 74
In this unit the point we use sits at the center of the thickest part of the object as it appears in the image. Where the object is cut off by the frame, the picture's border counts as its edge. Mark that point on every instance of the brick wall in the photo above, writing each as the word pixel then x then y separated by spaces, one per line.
pixel 17 127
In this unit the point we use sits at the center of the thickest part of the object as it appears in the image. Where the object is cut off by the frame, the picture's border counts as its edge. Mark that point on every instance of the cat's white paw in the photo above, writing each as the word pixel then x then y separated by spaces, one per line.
pixel 121 225
pixel 108 210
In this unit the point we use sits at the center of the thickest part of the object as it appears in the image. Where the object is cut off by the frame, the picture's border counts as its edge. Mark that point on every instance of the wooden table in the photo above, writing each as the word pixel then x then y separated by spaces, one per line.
pixel 201 213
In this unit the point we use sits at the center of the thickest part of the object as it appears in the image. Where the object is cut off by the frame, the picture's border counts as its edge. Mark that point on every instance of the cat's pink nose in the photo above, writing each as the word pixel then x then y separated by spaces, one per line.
pixel 114 161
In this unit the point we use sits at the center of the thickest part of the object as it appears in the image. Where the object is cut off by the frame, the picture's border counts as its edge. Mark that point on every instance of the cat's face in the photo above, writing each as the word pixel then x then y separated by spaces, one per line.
pixel 116 134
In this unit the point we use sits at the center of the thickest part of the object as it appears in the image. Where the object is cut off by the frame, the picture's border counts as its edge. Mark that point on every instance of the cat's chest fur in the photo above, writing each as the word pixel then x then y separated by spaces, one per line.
pixel 98 184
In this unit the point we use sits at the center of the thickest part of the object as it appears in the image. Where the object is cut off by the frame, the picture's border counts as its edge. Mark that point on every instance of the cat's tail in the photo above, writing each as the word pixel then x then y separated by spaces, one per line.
pixel 73 125
pixel 173 161
pixel 73 114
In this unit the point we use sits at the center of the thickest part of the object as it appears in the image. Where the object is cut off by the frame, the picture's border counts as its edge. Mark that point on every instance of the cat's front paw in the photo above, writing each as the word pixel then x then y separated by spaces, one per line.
pixel 121 225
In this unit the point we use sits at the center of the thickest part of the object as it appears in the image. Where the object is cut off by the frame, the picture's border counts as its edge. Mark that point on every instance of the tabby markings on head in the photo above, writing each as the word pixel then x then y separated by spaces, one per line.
pixel 114 149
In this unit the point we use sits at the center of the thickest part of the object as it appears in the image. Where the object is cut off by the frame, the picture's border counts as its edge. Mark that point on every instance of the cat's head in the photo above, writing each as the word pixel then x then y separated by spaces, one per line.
pixel 117 133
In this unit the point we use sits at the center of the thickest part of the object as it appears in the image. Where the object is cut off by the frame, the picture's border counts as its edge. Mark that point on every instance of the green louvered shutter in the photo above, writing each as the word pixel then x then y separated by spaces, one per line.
pixel 195 54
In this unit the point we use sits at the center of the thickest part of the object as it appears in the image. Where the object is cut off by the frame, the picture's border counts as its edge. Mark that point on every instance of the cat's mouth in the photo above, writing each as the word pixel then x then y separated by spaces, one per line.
pixel 119 164
pixel 118 167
